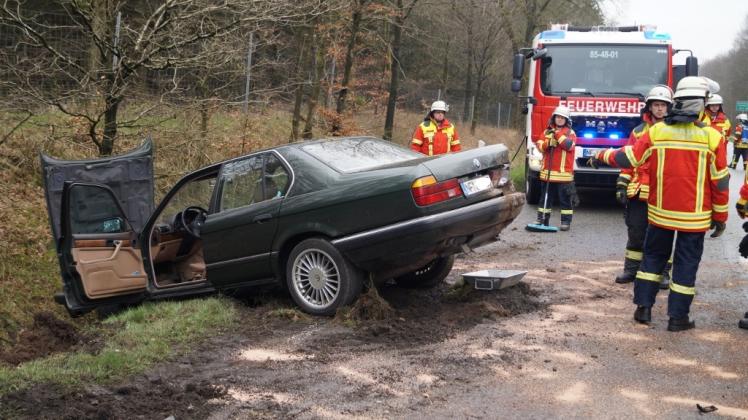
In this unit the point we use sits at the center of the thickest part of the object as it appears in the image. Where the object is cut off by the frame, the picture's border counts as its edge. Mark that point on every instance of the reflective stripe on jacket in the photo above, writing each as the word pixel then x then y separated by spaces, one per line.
pixel 563 155
pixel 688 174
pixel 719 122
pixel 638 178
pixel 432 139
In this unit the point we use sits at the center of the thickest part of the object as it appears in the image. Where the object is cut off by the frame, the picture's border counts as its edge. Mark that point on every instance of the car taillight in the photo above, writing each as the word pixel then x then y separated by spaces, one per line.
pixel 427 191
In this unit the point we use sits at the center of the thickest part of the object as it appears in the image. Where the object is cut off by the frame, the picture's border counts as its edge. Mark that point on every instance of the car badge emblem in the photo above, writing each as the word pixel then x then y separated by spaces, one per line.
pixel 476 163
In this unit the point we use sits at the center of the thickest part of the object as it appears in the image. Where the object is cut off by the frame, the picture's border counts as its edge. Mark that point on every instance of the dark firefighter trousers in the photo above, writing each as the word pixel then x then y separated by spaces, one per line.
pixel 635 216
pixel 557 191
pixel 739 152
pixel 658 243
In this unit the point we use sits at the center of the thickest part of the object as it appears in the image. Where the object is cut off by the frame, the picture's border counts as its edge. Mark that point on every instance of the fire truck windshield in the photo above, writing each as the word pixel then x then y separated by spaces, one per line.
pixel 602 70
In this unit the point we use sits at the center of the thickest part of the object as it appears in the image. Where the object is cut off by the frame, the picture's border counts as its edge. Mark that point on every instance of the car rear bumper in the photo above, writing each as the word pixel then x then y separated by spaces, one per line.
pixel 406 246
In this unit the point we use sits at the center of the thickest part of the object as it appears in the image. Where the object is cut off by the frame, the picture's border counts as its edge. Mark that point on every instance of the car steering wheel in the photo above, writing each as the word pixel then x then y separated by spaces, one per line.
pixel 192 218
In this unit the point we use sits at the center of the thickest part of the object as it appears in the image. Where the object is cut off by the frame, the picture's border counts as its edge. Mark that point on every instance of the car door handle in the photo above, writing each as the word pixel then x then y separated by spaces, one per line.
pixel 262 217
pixel 117 244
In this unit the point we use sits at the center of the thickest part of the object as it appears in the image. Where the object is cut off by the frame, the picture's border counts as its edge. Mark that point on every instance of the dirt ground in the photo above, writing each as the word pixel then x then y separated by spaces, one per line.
pixel 561 344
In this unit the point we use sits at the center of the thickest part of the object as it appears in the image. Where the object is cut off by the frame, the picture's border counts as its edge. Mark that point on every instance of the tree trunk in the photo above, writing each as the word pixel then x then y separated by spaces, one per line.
pixel 477 105
pixel 299 80
pixel 468 75
pixel 397 32
pixel 110 125
pixel 355 25
pixel 318 69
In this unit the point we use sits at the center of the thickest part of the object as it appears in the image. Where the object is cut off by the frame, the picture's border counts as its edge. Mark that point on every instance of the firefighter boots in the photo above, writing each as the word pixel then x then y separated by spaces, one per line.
pixel 565 226
pixel 680 324
pixel 630 267
pixel 643 314
pixel 743 323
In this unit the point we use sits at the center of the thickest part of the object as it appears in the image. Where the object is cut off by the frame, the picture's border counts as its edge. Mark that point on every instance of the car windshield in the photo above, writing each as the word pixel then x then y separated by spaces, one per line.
pixel 602 70
pixel 359 154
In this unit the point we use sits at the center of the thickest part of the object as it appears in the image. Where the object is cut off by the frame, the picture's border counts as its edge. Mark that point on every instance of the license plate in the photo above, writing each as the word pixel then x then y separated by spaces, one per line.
pixel 476 185
pixel 589 152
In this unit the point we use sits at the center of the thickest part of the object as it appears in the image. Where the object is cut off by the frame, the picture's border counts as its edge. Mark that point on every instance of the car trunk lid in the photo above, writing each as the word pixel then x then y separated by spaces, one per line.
pixel 473 161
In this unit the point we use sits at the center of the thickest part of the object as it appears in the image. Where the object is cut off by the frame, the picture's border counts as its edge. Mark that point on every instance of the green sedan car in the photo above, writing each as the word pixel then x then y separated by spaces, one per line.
pixel 316 217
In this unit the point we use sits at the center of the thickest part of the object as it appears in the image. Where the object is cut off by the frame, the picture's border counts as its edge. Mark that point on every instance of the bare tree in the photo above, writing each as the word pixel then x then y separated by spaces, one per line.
pixel 124 41
pixel 401 12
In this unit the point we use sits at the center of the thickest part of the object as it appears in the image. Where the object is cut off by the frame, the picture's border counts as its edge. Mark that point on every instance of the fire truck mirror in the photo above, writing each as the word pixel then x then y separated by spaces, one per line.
pixel 518 67
pixel 692 66
pixel 516 85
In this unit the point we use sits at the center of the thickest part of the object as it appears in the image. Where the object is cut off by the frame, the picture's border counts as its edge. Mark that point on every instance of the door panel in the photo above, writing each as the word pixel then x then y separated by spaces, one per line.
pixel 100 257
pixel 107 271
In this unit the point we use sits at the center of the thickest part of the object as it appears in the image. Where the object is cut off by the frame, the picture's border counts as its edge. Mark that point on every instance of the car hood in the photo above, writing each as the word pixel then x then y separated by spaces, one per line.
pixel 130 176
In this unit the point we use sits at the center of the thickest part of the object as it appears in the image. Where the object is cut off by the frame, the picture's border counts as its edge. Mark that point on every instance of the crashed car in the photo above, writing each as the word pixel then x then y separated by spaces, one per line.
pixel 320 218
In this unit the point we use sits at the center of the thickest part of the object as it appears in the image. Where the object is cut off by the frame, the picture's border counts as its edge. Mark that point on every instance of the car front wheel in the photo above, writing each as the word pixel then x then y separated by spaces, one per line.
pixel 320 279
pixel 429 275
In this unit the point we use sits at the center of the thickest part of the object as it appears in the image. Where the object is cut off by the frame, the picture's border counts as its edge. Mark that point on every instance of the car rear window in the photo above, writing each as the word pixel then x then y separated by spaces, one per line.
pixel 359 154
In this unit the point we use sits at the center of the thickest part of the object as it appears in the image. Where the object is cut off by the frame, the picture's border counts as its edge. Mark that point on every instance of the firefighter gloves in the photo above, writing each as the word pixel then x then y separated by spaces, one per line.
pixel 742 207
pixel 719 228
pixel 621 196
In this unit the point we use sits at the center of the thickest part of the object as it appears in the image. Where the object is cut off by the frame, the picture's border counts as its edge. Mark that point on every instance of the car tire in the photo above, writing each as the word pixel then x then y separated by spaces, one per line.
pixel 429 275
pixel 320 279
pixel 532 186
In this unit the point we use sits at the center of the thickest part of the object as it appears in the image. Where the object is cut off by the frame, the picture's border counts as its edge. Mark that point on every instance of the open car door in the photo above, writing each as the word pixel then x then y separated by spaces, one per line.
pixel 95 229
pixel 99 254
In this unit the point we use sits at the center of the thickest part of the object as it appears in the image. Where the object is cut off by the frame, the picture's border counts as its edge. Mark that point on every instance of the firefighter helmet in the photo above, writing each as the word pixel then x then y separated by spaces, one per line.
pixel 714 99
pixel 562 111
pixel 439 106
pixel 660 93
pixel 695 87
pixel 743 118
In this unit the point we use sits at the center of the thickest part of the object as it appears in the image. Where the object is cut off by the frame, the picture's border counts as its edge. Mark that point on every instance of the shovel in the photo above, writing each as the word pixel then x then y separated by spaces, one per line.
pixel 544 227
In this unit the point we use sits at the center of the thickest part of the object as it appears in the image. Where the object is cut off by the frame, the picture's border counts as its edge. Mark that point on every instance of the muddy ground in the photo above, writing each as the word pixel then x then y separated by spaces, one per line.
pixel 561 344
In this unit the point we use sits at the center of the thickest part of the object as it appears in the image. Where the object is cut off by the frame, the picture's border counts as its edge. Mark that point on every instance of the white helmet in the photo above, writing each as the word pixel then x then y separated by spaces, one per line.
pixel 714 99
pixel 439 106
pixel 743 118
pixel 563 112
pixel 660 93
pixel 695 87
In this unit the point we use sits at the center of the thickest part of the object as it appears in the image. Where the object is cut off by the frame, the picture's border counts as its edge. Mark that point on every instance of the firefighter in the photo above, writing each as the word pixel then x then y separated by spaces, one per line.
pixel 632 188
pixel 436 135
pixel 715 117
pixel 557 146
pixel 688 194
pixel 739 141
pixel 742 208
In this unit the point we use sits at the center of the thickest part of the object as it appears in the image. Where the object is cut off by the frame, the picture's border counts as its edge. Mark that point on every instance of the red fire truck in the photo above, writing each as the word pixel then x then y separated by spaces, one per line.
pixel 602 74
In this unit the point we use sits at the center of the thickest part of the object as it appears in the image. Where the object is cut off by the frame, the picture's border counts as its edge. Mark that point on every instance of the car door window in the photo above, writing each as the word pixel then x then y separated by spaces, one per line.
pixel 242 183
pixel 94 209
pixel 275 178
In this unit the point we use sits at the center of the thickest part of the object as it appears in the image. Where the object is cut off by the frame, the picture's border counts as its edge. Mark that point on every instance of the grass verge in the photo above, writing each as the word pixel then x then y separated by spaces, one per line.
pixel 133 341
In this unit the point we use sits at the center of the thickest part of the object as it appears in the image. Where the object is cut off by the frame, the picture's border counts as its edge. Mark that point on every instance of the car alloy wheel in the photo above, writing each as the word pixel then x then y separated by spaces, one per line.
pixel 320 279
pixel 316 278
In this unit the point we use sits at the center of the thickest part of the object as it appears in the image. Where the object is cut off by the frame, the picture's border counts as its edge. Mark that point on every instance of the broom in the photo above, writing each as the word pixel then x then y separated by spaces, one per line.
pixel 544 227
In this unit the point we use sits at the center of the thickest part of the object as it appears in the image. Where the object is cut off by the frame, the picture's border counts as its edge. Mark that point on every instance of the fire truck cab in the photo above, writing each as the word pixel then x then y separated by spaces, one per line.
pixel 602 74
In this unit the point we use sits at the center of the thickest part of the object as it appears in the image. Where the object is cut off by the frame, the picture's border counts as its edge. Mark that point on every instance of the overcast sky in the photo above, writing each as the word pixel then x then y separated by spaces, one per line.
pixel 708 27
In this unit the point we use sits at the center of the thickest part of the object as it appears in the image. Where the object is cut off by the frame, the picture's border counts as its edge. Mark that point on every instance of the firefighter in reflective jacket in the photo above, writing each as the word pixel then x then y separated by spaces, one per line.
pixel 688 194
pixel 436 135
pixel 715 117
pixel 557 146
pixel 742 208
pixel 739 141
pixel 632 188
